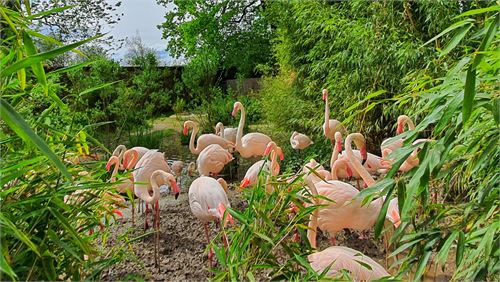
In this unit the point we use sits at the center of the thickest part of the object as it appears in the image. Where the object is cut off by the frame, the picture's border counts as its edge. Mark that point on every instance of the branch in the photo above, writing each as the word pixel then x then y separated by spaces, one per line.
pixel 245 11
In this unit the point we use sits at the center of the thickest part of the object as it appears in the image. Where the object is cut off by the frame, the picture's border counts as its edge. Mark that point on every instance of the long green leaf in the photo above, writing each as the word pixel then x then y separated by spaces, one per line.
pixel 456 39
pixel 49 12
pixel 18 233
pixel 36 67
pixel 23 130
pixel 5 267
pixel 469 93
pixel 26 62
pixel 479 11
pixel 450 28
pixel 460 248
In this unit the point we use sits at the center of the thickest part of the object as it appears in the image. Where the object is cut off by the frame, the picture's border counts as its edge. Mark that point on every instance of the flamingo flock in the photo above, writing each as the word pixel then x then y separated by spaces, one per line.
pixel 340 208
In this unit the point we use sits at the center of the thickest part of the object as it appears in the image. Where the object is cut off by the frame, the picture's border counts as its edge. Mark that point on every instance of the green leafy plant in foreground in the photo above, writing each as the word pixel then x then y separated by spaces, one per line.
pixel 45 232
pixel 450 203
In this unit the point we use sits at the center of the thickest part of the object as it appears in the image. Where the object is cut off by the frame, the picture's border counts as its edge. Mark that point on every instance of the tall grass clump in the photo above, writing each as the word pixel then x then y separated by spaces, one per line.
pixel 44 229
pixel 450 203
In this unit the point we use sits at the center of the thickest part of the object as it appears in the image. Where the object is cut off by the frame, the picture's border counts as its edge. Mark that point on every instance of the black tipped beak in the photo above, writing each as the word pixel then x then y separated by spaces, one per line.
pixel 363 161
pixel 176 195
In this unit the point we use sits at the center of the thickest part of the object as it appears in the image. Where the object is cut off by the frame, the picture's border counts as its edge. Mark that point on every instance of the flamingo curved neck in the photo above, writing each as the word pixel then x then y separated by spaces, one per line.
pixel 191 140
pixel 407 121
pixel 135 158
pixel 144 195
pixel 327 116
pixel 365 175
pixel 239 132
pixel 115 170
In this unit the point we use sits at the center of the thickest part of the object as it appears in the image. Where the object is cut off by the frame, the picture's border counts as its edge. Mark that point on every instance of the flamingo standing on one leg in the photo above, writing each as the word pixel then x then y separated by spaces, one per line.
pixel 330 126
pixel 227 133
pixel 208 202
pixel 300 141
pixel 212 160
pixel 204 140
pixel 155 178
pixel 252 144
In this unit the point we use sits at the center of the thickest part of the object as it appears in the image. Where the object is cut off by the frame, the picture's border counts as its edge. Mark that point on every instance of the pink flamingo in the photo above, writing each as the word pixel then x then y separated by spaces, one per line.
pixel 227 133
pixel 212 160
pixel 346 211
pixel 118 152
pixel 330 126
pixel 392 144
pixel 410 162
pixel 321 173
pixel 132 156
pixel 272 166
pixel 125 186
pixel 208 202
pixel 155 177
pixel 191 169
pixel 300 141
pixel 144 168
pixel 372 162
pixel 204 140
pixel 337 258
pixel 252 144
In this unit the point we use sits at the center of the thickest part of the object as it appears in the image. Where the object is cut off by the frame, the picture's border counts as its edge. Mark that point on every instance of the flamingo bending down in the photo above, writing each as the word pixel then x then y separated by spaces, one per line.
pixel 212 160
pixel 208 202
pixel 272 166
pixel 330 126
pixel 372 162
pixel 227 133
pixel 391 144
pixel 132 156
pixel 125 186
pixel 157 177
pixel 410 162
pixel 320 170
pixel 118 152
pixel 252 144
pixel 338 257
pixel 150 162
pixel 300 141
pixel 204 140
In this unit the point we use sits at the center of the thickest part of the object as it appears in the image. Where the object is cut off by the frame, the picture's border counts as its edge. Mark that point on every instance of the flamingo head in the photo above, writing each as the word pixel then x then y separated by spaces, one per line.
pixel 270 146
pixel 364 154
pixel 222 211
pixel 111 161
pixel 245 182
pixel 175 188
pixel 325 94
pixel 400 126
pixel 282 155
pixel 185 130
pixel 235 109
pixel 393 213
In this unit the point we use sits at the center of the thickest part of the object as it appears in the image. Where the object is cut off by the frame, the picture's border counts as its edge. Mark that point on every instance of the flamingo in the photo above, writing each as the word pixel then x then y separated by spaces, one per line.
pixel 156 177
pixel 330 126
pixel 320 170
pixel 208 202
pixel 204 140
pixel 391 144
pixel 177 167
pixel 118 152
pixel 212 160
pixel 300 141
pixel 125 186
pixel 191 169
pixel 252 144
pixel 346 210
pixel 339 257
pixel 252 174
pixel 132 156
pixel 227 133
pixel 150 162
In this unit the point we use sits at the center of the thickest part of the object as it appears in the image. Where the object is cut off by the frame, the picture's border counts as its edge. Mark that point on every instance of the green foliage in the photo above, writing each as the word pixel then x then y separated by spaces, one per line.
pixel 459 167
pixel 44 229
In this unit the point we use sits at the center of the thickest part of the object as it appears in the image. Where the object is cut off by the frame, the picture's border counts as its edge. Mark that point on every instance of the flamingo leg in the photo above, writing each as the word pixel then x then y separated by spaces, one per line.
pixel 357 184
pixel 333 239
pixel 156 225
pixel 210 252
pixel 146 225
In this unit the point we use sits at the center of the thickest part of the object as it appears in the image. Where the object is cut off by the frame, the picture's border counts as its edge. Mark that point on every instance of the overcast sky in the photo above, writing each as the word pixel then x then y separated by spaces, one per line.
pixel 142 16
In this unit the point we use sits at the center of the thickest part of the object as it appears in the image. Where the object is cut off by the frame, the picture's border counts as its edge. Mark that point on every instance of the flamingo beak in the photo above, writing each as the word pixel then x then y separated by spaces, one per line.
pixel 235 110
pixel 268 150
pixel 118 212
pixel 282 156
pixel 339 147
pixel 349 171
pixel 175 189
pixel 364 155
pixel 245 182
pixel 229 218
pixel 185 131
pixel 399 129
pixel 108 166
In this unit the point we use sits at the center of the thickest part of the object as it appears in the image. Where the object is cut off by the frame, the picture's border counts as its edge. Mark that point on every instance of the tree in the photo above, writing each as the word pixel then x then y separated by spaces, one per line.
pixel 137 51
pixel 84 20
pixel 232 34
